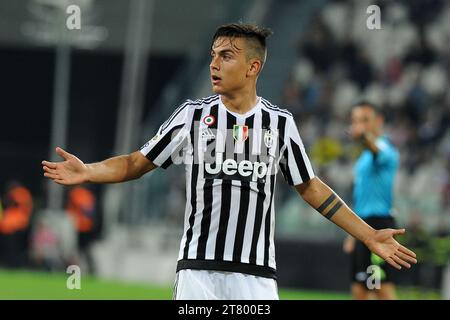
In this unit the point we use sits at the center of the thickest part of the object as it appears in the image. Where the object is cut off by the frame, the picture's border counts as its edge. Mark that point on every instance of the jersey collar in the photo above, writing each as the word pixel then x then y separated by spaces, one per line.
pixel 250 112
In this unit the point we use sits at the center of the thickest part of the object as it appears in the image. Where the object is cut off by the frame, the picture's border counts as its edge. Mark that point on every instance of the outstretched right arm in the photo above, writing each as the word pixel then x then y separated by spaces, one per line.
pixel 117 169
pixel 157 152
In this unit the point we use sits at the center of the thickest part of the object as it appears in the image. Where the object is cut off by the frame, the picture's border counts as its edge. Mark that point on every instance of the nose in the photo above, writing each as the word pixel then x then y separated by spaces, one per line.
pixel 214 64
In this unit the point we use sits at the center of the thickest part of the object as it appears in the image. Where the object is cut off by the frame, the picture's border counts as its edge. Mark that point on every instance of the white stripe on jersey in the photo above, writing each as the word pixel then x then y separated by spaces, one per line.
pixel 216 205
pixel 193 246
pixel 217 192
pixel 232 221
pixel 249 224
pixel 272 264
pixel 187 211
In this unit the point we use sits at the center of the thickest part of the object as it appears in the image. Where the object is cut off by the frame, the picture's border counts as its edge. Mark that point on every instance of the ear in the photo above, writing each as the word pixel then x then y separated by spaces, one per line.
pixel 254 67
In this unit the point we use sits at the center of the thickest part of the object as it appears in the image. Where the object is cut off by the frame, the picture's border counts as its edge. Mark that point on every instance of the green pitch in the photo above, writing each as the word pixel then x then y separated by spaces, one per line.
pixel 36 285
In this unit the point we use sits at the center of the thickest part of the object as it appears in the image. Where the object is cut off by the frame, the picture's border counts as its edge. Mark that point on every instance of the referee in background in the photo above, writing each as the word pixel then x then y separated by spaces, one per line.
pixel 374 173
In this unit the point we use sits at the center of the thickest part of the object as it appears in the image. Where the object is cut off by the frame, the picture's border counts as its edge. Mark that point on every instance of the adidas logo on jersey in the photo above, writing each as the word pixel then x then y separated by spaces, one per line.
pixel 207 134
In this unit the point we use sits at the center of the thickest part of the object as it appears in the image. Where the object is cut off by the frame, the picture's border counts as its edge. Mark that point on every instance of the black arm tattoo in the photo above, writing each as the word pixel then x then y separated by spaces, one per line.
pixel 334 208
pixel 326 203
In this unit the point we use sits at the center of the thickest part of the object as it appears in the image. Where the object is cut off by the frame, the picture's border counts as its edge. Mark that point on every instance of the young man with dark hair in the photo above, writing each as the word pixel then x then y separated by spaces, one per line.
pixel 232 145
pixel 374 173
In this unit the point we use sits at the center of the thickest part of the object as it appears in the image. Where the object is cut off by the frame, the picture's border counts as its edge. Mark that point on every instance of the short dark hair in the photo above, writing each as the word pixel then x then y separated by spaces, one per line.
pixel 248 31
pixel 369 104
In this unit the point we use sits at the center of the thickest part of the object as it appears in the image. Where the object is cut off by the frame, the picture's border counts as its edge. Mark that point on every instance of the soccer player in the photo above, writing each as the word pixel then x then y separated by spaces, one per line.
pixel 232 145
pixel 374 173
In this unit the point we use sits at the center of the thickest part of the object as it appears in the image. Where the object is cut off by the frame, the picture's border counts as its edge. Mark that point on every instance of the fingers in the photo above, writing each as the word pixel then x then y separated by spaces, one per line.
pixel 405 257
pixel 56 178
pixel 52 176
pixel 398 231
pixel 50 170
pixel 62 153
pixel 401 262
pixel 407 251
pixel 393 263
pixel 400 259
pixel 51 165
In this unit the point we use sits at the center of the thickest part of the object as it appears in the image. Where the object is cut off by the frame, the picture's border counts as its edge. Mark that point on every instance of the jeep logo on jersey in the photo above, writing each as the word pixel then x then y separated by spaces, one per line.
pixel 230 169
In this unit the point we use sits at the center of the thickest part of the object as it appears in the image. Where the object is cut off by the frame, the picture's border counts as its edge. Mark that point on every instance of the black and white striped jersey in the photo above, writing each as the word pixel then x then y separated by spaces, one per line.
pixel 231 162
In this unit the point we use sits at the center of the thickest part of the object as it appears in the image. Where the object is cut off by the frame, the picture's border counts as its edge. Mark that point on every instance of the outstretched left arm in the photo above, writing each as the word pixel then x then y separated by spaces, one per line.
pixel 381 242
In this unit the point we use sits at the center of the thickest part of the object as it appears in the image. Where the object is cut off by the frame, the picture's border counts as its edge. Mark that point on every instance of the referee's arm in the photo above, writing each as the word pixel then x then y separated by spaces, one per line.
pixel 73 171
pixel 322 198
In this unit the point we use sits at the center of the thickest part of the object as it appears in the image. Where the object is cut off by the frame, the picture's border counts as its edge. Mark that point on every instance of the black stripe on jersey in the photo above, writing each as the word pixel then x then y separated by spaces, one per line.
pixel 173 116
pixel 258 223
pixel 281 143
pixel 226 198
pixel 265 124
pixel 245 197
pixel 274 108
pixel 284 162
pixel 207 198
pixel 282 130
pixel 268 224
pixel 194 177
pixel 159 147
pixel 265 119
pixel 284 166
pixel 300 161
pixel 176 153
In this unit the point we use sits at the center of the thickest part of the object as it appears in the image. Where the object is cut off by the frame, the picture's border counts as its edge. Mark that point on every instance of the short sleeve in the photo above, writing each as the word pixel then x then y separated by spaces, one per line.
pixel 164 148
pixel 294 162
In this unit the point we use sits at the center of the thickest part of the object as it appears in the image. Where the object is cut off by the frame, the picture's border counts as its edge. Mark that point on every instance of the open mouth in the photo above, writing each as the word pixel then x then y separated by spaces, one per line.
pixel 215 79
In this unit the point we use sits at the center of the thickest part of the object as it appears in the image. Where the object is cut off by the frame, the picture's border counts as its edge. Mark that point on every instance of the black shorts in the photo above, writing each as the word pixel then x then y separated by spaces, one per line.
pixel 366 264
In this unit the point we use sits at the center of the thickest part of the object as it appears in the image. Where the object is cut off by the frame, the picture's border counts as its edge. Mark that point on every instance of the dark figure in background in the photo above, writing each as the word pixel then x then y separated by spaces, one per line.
pixel 17 205
pixel 81 208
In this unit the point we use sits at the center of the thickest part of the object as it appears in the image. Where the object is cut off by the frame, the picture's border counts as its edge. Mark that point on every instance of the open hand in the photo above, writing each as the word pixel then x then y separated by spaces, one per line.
pixel 68 172
pixel 383 244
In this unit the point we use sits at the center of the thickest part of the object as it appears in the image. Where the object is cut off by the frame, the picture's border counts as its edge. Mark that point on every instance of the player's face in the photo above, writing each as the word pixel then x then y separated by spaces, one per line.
pixel 228 65
pixel 364 119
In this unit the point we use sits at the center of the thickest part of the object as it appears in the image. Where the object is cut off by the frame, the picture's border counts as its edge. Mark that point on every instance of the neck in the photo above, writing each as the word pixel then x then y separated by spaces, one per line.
pixel 241 102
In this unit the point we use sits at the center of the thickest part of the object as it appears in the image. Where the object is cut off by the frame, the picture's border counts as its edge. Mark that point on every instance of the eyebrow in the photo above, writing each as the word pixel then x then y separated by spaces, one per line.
pixel 224 51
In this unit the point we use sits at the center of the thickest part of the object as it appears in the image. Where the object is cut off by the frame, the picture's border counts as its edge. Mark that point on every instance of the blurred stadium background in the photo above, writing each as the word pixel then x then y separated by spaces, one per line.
pixel 104 89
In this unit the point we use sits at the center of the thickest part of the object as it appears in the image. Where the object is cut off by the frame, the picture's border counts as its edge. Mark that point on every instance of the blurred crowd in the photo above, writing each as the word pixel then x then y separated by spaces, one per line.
pixel 38 239
pixel 404 69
